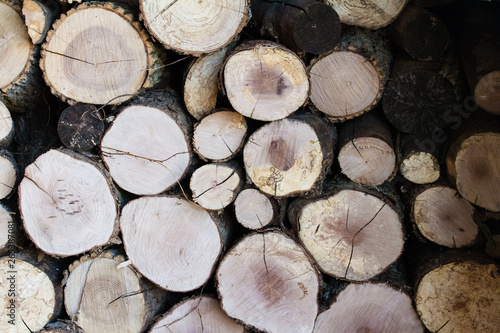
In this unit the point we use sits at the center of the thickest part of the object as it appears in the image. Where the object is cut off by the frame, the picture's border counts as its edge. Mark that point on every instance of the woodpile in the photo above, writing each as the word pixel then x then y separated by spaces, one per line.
pixel 249 166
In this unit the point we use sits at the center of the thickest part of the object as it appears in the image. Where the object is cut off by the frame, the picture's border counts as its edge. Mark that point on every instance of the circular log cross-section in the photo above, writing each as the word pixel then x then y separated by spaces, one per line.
pixel 460 297
pixel 67 204
pixel 9 230
pixel 16 47
pixel 216 185
pixel 254 209
pixel 6 126
pixel 473 166
pixel 147 149
pixel 265 81
pixel 219 136
pixel 171 241
pixel 100 296
pixel 95 54
pixel 444 217
pixel 195 26
pixel 417 163
pixel 197 314
pixel 370 14
pixel 370 307
pixel 277 289
pixel 352 235
pixel 8 173
pixel 289 156
pixel 80 127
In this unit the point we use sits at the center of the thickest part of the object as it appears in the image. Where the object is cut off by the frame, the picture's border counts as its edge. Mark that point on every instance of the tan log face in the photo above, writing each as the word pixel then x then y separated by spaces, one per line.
pixel 420 168
pixel 487 92
pixel 195 26
pixel 8 176
pixel 6 126
pixel 344 234
pixel 15 45
pixel 95 56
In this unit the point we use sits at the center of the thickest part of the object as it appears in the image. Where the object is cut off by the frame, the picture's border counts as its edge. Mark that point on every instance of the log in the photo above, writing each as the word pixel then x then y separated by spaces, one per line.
pixel 418 99
pixel 6 126
pixel 418 163
pixel 97 54
pixel 369 307
pixel 420 33
pixel 68 204
pixel 38 17
pixel 9 230
pixel 254 209
pixel 350 80
pixel 442 216
pixel 32 293
pixel 192 27
pixel 472 165
pixel 265 81
pixel 102 296
pixel 366 153
pixel 196 314
pixel 353 234
pixel 201 85
pixel 290 157
pixel 8 175
pixel 80 127
pixel 171 241
pixel 216 185
pixel 220 135
pixel 21 83
pixel 147 148
pixel 459 294
pixel 62 326
pixel 370 14
pixel 304 26
pixel 277 289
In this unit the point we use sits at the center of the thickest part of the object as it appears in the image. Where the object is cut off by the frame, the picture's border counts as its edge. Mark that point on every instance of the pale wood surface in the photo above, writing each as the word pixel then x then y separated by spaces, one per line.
pixel 194 26
pixel 7 229
pixel 487 92
pixel 460 297
pixel 267 282
pixel 171 241
pixel 8 173
pixel 219 136
pixel 265 81
pixel 6 126
pixel 15 46
pixel 370 307
pixel 420 168
pixel 38 17
pixel 197 314
pixel 253 209
pixel 67 204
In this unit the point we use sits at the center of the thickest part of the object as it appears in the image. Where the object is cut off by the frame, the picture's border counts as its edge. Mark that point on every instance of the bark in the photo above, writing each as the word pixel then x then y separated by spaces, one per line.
pixel 220 135
pixel 366 150
pixel 442 216
pixel 277 292
pixel 305 26
pixel 350 80
pixel 197 314
pixel 352 233
pixel 38 17
pixel 147 149
pixel 216 185
pixel 6 126
pixel 290 157
pixel 108 69
pixel 102 295
pixel 80 127
pixel 31 281
pixel 371 14
pixel 419 164
pixel 172 242
pixel 195 28
pixel 265 81
pixel 255 210
pixel 62 326
pixel 457 292
pixel 472 164
pixel 8 175
pixel 420 33
pixel 68 204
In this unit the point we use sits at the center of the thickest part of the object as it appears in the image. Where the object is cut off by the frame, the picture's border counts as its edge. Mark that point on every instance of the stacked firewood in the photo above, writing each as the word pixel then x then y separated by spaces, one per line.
pixel 249 165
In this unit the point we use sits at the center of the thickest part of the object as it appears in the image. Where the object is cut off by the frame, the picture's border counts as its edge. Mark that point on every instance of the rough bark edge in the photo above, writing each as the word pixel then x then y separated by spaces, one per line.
pixel 155 56
pixel 114 237
pixel 62 326
pixel 370 45
pixel 8 155
pixel 247 16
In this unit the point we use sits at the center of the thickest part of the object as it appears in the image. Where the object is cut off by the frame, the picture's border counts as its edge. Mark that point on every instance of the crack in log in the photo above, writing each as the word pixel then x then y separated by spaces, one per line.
pixel 181 318
pixel 29 329
pixel 227 146
pixel 443 326
pixel 132 293
pixel 201 320
pixel 264 253
pixel 211 188
pixel 258 218
pixel 357 232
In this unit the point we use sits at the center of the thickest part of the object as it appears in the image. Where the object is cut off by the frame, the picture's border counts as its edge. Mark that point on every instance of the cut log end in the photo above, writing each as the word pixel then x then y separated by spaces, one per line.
pixel 6 126
pixel 487 92
pixel 420 168
pixel 254 210
pixel 444 217
pixel 80 127
pixel 369 307
pixel 8 173
pixel 9 229
pixel 38 17
pixel 460 297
